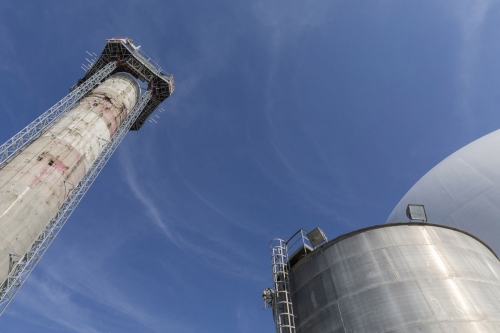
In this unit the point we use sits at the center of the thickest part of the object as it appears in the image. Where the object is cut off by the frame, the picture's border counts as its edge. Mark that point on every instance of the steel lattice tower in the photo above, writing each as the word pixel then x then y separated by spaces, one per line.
pixel 46 169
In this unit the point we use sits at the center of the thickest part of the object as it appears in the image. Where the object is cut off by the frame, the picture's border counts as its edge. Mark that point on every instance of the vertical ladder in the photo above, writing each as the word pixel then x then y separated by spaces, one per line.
pixel 282 303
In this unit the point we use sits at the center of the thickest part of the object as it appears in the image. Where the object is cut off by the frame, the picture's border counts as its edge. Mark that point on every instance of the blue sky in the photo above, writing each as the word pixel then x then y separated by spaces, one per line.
pixel 286 115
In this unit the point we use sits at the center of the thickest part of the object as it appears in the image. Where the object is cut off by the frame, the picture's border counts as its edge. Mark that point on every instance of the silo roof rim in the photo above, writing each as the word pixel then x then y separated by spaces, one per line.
pixel 388 225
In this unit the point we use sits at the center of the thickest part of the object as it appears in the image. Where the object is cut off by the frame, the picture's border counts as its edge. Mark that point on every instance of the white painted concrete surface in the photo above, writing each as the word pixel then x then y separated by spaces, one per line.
pixel 36 183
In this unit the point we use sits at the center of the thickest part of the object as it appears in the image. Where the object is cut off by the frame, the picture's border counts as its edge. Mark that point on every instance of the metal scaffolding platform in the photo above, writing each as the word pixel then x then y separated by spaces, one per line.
pixel 130 59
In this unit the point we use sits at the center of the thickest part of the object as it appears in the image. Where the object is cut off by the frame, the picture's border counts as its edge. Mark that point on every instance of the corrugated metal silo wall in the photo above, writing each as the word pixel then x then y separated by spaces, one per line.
pixel 398 278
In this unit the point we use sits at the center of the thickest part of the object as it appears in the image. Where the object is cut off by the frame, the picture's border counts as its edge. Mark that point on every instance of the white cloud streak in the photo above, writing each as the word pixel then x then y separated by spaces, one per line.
pixel 205 249
pixel 471 17
pixel 54 293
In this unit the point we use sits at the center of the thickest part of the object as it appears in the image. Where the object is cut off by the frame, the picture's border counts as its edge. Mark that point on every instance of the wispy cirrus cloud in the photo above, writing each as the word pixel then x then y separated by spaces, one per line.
pixel 56 291
pixel 211 247
pixel 471 17
pixel 53 302
pixel 285 22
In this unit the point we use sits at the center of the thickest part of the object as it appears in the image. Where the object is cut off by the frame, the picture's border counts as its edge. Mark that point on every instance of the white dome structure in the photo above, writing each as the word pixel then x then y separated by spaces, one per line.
pixel 463 191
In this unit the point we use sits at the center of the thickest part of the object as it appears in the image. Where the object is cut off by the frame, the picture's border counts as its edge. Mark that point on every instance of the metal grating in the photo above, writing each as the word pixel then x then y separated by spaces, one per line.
pixel 131 60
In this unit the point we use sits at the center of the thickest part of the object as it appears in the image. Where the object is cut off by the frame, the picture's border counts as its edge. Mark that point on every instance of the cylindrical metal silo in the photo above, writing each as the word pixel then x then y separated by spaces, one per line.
pixel 404 277
pixel 36 182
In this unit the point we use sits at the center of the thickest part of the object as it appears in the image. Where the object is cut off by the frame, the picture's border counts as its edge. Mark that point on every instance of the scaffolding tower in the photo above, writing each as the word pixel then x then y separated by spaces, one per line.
pixel 119 55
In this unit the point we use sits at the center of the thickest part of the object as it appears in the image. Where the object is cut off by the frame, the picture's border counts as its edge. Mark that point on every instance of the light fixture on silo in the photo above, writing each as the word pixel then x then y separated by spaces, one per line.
pixel 316 237
pixel 416 213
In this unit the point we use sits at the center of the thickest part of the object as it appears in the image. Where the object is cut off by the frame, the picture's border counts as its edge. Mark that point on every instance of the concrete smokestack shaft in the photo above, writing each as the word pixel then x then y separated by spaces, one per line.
pixel 37 182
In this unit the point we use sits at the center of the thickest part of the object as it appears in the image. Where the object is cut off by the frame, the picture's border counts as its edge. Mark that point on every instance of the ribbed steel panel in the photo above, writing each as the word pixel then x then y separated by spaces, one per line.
pixel 398 278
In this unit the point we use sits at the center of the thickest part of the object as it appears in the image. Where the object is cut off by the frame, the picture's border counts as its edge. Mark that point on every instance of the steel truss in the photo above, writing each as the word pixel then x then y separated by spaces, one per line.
pixel 25 266
pixel 19 141
pixel 133 61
